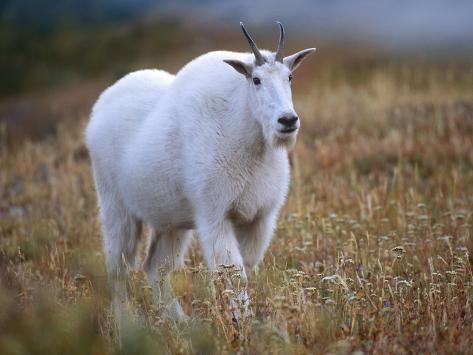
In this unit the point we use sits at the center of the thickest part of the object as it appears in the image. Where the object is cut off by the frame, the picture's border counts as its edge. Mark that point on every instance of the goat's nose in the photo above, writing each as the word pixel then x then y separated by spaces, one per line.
pixel 288 121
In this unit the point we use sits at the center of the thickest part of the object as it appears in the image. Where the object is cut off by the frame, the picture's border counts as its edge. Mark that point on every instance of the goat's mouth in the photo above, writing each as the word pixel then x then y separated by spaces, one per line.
pixel 288 130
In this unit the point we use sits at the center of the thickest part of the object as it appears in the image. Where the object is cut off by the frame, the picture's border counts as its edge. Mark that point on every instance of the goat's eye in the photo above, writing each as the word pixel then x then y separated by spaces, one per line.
pixel 290 77
pixel 257 81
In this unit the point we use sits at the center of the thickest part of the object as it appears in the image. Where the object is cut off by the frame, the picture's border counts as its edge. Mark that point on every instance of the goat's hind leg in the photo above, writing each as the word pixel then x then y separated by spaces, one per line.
pixel 121 233
pixel 166 252
pixel 120 240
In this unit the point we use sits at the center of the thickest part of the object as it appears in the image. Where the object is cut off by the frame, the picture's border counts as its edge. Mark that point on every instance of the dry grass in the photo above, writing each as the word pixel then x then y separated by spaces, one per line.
pixel 372 251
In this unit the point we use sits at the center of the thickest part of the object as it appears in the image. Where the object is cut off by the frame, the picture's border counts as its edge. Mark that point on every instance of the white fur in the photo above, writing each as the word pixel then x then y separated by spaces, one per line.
pixel 200 150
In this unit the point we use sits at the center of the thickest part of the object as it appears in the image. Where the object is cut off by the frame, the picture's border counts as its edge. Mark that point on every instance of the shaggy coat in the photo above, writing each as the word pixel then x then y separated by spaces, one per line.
pixel 197 151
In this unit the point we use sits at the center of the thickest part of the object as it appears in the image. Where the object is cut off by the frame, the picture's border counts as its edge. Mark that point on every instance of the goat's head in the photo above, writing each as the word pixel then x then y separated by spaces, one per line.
pixel 269 78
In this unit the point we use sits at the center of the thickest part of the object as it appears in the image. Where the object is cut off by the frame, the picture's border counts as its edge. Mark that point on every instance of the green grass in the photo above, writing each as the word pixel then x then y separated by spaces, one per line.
pixel 372 251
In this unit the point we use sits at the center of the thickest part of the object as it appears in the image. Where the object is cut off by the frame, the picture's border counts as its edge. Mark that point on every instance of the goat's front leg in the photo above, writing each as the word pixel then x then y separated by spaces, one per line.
pixel 254 238
pixel 220 248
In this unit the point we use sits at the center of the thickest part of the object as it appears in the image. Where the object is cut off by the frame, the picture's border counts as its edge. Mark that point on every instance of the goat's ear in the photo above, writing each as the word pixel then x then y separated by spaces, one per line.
pixel 239 66
pixel 294 60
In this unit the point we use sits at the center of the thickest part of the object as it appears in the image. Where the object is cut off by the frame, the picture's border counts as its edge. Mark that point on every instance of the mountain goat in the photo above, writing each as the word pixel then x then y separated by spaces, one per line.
pixel 206 149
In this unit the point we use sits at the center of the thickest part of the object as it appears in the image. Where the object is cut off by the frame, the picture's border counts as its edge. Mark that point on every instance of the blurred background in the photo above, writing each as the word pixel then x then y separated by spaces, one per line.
pixel 381 192
pixel 56 56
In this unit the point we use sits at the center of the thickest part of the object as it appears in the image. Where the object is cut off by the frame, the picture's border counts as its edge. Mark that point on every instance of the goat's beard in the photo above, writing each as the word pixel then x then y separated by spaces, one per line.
pixel 286 142
pixel 278 140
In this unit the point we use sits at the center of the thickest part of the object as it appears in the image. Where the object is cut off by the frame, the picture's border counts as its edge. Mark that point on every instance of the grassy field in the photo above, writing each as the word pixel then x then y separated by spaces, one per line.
pixel 372 253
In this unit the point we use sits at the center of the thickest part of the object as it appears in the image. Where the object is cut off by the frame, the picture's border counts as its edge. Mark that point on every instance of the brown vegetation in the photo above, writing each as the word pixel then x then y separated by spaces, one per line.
pixel 372 252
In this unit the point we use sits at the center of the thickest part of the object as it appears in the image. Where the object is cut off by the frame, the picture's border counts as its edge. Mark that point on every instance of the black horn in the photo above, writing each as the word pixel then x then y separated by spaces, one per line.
pixel 259 58
pixel 280 51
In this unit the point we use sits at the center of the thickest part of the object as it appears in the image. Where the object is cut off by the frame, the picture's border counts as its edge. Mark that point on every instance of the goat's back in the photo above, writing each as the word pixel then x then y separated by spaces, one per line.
pixel 119 112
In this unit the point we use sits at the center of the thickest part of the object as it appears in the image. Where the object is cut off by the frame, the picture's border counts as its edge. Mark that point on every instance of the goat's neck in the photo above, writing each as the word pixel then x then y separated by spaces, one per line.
pixel 248 134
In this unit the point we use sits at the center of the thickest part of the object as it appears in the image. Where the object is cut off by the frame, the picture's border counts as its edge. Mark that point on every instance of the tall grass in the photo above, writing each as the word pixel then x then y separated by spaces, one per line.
pixel 372 251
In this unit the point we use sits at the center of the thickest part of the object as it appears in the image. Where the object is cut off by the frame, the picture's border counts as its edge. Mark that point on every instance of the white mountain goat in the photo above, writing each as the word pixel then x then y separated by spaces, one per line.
pixel 204 150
